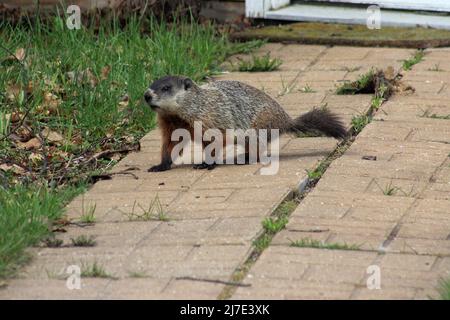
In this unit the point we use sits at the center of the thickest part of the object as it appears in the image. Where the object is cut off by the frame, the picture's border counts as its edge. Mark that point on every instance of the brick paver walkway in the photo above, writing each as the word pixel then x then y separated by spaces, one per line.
pixel 214 216
pixel 396 209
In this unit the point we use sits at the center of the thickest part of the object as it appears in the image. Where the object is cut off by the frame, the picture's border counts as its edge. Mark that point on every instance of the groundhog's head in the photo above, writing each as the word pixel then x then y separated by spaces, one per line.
pixel 166 93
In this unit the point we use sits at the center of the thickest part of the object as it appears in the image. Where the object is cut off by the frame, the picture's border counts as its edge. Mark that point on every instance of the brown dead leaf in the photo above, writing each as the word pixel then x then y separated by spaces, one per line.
pixel 12 167
pixel 105 72
pixel 389 73
pixel 50 104
pixel 51 136
pixel 63 221
pixel 16 116
pixel 24 133
pixel 13 91
pixel 122 105
pixel 31 144
pixel 20 54
pixel 116 157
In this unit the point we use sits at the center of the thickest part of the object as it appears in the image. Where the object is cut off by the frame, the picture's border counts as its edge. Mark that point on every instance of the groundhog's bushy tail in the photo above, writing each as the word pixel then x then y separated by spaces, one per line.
pixel 320 120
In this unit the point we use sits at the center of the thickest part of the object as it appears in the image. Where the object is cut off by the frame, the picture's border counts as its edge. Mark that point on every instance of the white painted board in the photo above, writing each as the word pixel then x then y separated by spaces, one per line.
pixel 427 5
pixel 354 15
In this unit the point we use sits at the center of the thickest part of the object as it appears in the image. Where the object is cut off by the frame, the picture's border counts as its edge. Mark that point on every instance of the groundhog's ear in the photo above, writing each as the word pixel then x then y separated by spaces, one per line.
pixel 188 83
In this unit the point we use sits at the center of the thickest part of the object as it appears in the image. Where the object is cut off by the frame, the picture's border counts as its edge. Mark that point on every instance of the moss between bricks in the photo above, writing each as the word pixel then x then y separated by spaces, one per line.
pixel 343 34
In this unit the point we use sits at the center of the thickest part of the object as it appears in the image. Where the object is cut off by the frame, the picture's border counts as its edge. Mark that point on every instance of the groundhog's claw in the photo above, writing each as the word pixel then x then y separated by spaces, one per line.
pixel 159 167
pixel 204 165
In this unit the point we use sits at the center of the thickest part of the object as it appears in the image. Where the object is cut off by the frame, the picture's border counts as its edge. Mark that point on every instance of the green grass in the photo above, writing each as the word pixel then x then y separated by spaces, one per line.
pixel 95 270
pixel 83 241
pixel 317 173
pixel 307 89
pixel 273 225
pixel 260 64
pixel 312 243
pixel 415 59
pixel 25 214
pixel 154 211
pixel 364 84
pixel 88 214
pixel 137 274
pixel 85 87
pixel 435 116
pixel 444 289
pixel 360 121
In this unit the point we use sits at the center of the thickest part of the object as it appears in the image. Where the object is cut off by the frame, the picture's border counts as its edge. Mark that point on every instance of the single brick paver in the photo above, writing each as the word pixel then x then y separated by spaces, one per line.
pixel 214 216
pixel 396 208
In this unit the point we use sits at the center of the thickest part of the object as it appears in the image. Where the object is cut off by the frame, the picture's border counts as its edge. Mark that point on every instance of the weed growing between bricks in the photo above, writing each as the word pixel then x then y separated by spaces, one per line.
pixel 313 243
pixel 444 289
pixel 374 82
pixel 264 63
pixel 415 59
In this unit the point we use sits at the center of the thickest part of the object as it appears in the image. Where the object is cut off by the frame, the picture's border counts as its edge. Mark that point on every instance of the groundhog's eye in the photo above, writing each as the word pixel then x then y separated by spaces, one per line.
pixel 165 88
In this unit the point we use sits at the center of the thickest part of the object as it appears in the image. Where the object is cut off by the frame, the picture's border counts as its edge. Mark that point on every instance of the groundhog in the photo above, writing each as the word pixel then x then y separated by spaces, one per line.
pixel 223 105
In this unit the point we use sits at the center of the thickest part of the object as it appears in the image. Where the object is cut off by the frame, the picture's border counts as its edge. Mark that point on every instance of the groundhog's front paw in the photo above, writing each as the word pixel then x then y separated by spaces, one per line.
pixel 159 167
pixel 204 165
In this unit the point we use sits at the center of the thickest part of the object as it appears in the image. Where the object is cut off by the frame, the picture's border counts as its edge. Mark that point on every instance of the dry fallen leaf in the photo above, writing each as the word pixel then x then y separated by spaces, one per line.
pixel 12 167
pixel 20 54
pixel 13 91
pixel 36 157
pixel 105 72
pixel 24 133
pixel 16 116
pixel 50 104
pixel 51 136
pixel 33 143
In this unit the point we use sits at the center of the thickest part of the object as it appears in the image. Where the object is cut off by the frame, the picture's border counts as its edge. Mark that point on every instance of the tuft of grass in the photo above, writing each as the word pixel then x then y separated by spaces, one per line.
pixel 52 242
pixel 95 270
pixel 260 64
pixel 26 214
pixel 137 274
pixel 318 172
pixel 262 242
pixel 273 225
pixel 415 59
pixel 286 87
pixel 312 243
pixel 360 121
pixel 444 289
pixel 364 84
pixel 307 89
pixel 389 190
pixel 154 211
pixel 426 114
pixel 84 241
pixel 88 214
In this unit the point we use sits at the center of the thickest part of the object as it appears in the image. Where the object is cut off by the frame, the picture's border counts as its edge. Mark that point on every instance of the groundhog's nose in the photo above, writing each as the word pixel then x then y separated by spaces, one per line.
pixel 148 96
